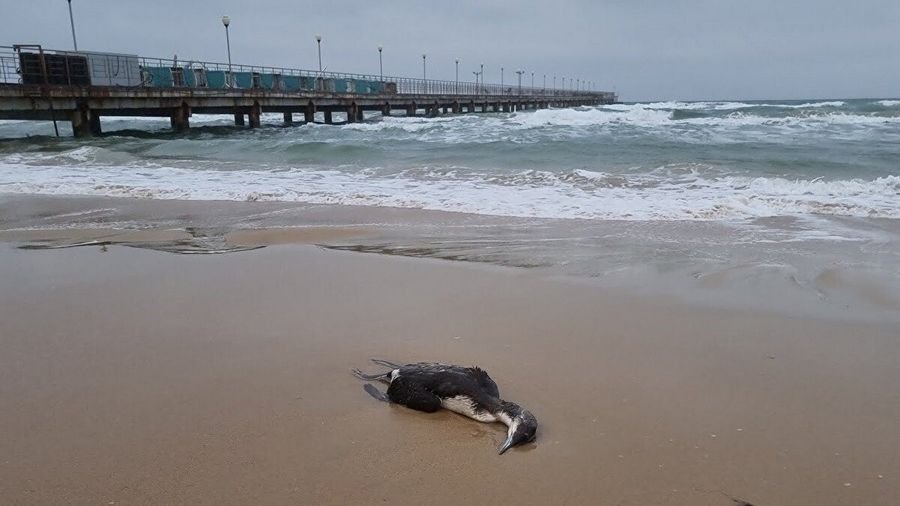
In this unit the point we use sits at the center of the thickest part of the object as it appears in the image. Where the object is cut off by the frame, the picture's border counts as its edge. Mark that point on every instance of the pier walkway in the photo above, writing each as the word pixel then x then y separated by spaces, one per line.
pixel 82 87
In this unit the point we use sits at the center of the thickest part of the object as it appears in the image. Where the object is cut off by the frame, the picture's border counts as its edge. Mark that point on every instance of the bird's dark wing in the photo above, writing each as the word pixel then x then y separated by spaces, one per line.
pixel 485 381
pixel 413 395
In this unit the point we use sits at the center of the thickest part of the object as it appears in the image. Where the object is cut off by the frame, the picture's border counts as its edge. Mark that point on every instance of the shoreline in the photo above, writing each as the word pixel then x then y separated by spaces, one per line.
pixel 140 376
pixel 784 265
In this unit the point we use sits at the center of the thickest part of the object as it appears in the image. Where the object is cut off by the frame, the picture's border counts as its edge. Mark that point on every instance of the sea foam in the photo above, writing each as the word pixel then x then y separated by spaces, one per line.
pixel 664 194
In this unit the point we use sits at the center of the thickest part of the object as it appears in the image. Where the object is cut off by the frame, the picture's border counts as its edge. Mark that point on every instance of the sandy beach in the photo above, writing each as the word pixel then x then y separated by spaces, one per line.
pixel 132 376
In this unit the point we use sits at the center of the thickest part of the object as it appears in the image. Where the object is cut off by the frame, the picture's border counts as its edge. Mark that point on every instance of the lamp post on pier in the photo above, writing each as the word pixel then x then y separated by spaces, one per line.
pixel 319 45
pixel 457 77
pixel 501 77
pixel 380 65
pixel 424 81
pixel 72 22
pixel 227 21
pixel 532 81
pixel 520 72
pixel 481 74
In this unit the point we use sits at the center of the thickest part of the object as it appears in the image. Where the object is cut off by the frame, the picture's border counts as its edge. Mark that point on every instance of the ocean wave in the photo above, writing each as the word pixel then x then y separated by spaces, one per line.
pixel 889 103
pixel 668 193
pixel 81 155
pixel 729 106
pixel 643 115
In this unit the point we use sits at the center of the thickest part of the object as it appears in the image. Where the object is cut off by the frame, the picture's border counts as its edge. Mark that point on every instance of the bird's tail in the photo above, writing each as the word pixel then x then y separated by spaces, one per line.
pixel 371 377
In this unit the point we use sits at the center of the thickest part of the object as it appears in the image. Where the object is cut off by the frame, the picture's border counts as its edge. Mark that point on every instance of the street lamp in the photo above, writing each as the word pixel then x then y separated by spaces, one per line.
pixel 227 21
pixel 532 80
pixel 380 66
pixel 319 44
pixel 481 73
pixel 501 77
pixel 72 22
pixel 520 72
pixel 424 78
pixel 457 76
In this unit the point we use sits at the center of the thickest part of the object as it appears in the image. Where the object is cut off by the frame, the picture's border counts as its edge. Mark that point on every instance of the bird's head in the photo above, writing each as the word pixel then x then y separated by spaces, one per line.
pixel 522 426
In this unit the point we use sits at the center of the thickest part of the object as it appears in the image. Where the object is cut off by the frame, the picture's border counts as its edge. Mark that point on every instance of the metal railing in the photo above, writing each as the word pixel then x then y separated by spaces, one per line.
pixel 108 69
pixel 9 66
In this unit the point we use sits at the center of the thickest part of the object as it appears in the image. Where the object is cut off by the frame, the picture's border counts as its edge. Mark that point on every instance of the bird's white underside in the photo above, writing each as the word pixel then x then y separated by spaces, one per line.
pixel 465 406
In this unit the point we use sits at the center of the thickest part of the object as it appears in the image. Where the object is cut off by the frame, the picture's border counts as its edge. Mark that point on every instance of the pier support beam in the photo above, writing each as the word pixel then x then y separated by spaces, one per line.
pixel 456 108
pixel 80 123
pixel 238 119
pixel 309 114
pixel 180 118
pixel 360 114
pixel 288 118
pixel 94 121
pixel 386 109
pixel 411 110
pixel 254 115
pixel 351 113
pixel 328 119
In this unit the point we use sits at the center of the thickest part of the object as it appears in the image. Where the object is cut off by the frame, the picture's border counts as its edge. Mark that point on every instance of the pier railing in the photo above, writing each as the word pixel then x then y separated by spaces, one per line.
pixel 33 65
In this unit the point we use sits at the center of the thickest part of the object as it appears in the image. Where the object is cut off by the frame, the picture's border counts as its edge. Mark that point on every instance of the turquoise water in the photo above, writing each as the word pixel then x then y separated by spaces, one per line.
pixel 775 204
pixel 659 161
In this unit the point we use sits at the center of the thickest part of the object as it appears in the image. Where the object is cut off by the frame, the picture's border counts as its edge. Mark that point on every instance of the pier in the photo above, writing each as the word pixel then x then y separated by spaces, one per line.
pixel 82 87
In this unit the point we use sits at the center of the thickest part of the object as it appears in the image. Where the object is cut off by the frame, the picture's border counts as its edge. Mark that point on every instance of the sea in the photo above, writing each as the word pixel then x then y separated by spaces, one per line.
pixel 768 203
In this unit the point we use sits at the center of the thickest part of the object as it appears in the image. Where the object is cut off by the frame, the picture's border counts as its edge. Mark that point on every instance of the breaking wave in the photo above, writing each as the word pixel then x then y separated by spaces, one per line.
pixel 666 193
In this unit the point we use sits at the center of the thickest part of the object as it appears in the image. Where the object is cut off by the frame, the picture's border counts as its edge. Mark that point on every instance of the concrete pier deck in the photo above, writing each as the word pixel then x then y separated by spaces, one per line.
pixel 82 87
pixel 83 106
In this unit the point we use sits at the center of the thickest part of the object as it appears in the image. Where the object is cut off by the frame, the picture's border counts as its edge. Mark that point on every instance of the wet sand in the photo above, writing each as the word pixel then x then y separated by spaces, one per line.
pixel 133 376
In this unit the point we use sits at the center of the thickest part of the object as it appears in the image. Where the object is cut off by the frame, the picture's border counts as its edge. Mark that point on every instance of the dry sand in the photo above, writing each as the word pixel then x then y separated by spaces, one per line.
pixel 130 376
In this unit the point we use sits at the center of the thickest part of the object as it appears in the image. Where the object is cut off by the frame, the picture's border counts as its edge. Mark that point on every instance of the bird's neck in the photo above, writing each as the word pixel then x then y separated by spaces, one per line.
pixel 509 413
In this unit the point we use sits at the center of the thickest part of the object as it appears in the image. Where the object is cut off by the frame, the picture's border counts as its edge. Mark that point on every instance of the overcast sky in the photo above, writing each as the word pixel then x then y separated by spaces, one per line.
pixel 644 49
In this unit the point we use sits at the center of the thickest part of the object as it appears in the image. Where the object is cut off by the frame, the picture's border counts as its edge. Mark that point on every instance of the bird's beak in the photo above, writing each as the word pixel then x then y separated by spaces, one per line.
pixel 507 444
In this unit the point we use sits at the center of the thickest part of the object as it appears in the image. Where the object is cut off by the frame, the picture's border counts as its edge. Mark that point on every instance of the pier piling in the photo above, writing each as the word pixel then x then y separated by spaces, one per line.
pixel 180 118
pixel 254 115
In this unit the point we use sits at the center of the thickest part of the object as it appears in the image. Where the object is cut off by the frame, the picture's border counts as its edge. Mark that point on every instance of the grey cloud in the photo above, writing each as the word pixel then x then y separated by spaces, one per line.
pixel 647 50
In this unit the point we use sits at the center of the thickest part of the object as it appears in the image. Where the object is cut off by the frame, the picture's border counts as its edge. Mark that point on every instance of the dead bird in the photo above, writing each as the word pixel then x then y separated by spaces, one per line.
pixel 469 391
